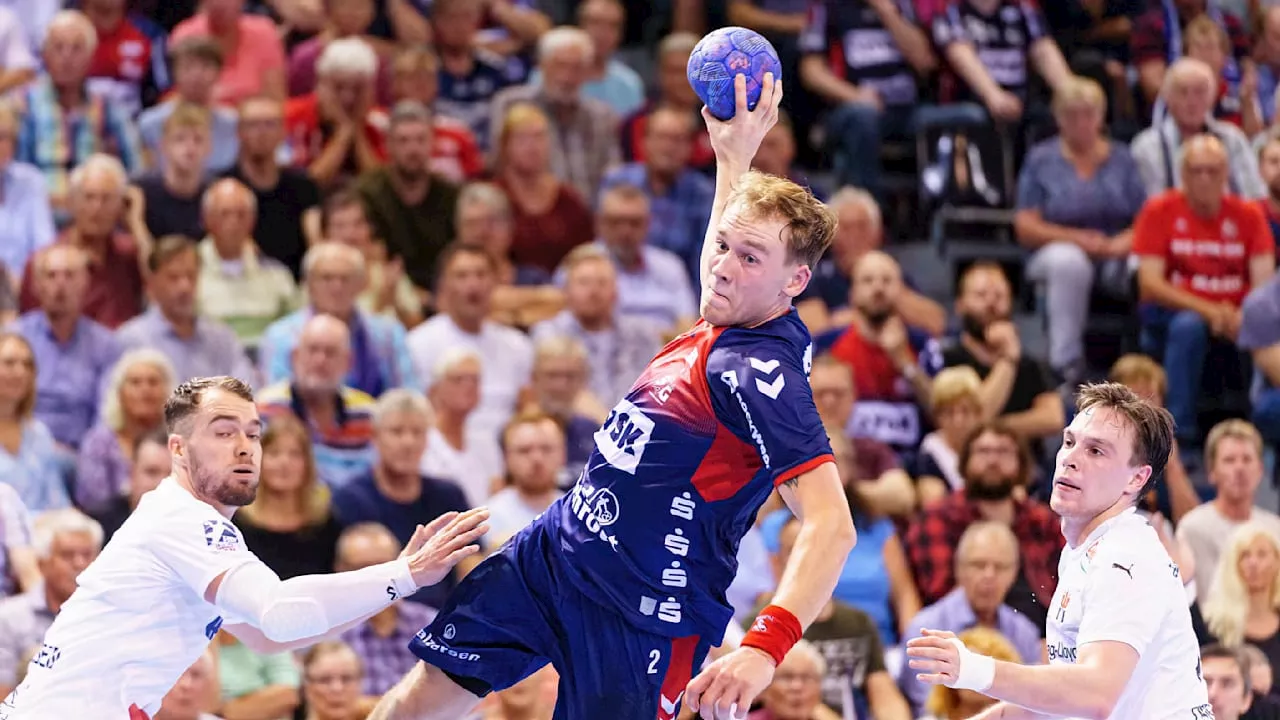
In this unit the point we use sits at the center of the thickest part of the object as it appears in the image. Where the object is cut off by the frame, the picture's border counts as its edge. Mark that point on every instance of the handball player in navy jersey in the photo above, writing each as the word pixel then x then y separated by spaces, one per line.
pixel 620 585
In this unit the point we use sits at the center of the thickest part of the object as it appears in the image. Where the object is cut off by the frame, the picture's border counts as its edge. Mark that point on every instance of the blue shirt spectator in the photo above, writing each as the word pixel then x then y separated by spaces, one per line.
pixel 69 373
pixel 224 140
pixel 35 472
pixel 210 348
pixel 380 358
pixel 26 220
pixel 1107 201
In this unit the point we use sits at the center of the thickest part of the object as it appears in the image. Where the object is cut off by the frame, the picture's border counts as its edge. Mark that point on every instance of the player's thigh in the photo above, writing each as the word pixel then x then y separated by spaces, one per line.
pixel 610 669
pixel 426 693
pixel 490 633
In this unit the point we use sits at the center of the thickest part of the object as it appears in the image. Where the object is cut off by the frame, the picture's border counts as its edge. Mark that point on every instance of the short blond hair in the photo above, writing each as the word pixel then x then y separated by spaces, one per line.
pixel 955 385
pixel 1138 369
pixel 1231 428
pixel 1079 91
pixel 188 116
pixel 1205 27
pixel 519 115
pixel 810 223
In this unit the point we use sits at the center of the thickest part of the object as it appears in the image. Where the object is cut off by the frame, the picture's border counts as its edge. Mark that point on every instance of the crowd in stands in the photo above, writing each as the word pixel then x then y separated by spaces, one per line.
pixel 442 238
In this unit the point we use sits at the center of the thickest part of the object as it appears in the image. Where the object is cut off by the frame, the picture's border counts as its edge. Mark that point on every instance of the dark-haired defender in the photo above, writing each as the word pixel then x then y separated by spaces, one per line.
pixel 1119 631
pixel 177 570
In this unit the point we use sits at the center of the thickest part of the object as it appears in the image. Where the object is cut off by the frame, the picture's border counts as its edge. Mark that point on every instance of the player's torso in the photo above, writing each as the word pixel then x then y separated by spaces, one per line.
pixel 1166 684
pixel 655 519
pixel 125 636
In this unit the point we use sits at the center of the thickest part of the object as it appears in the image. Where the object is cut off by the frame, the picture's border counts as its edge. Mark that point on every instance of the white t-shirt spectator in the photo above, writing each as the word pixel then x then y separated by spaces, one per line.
pixel 1206 531
pixel 472 469
pixel 508 515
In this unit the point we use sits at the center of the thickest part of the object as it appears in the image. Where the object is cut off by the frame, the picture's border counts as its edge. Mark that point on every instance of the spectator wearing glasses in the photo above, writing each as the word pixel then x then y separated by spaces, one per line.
pixel 331 678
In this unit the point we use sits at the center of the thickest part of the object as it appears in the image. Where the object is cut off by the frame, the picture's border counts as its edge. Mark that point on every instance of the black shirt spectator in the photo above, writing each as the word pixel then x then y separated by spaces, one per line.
pixel 279 230
pixel 1002 40
pixel 170 214
pixel 307 551
pixel 855 33
pixel 1031 379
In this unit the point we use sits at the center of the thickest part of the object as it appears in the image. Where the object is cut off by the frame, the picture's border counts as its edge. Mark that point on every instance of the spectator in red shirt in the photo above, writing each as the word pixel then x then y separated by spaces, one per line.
pixel 1200 251
pixel 997 466
pixel 1158 40
pixel 338 131
pixel 455 154
pixel 97 192
pixel 121 64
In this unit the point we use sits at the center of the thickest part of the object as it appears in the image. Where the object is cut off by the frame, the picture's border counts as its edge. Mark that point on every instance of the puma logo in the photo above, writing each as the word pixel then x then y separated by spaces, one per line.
pixel 1127 570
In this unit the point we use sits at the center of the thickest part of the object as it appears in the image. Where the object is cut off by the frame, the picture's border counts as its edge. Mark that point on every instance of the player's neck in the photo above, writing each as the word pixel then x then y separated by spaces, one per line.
pixel 777 313
pixel 1233 510
pixel 1077 530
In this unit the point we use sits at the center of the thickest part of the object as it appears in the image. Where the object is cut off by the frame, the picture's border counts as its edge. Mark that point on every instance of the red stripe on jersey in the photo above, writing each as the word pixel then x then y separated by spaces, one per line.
pixel 803 468
pixel 728 465
pixel 136 713
pixel 679 673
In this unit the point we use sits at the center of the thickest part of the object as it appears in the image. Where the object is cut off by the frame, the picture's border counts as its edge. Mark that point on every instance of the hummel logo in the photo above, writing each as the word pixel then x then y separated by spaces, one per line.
pixel 669 706
pixel 1127 570
pixel 768 389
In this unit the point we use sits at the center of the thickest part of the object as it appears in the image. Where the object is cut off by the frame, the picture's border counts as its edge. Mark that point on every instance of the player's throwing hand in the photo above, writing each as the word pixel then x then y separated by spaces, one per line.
pixel 726 689
pixel 737 139
pixel 435 548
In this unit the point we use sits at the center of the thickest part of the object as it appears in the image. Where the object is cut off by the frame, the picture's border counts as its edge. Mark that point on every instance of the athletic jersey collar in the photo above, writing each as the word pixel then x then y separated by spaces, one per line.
pixel 1099 531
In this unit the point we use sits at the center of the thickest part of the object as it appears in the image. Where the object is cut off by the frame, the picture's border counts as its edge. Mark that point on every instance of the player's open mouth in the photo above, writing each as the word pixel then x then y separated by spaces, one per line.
pixel 242 471
pixel 1067 485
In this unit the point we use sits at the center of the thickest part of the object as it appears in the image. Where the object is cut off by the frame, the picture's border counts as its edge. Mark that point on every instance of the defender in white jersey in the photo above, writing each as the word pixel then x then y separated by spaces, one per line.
pixel 1119 631
pixel 178 570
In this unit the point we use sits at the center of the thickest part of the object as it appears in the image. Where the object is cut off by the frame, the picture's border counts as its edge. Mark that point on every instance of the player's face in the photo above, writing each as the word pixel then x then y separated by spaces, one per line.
pixel 748 278
pixel 1095 467
pixel 1225 683
pixel 333 684
pixel 401 439
pixel 1258 565
pixel 223 455
pixel 796 689
pixel 1236 470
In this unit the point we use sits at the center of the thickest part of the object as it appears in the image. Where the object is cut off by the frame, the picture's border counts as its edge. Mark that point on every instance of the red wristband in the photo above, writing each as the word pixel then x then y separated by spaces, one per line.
pixel 775 631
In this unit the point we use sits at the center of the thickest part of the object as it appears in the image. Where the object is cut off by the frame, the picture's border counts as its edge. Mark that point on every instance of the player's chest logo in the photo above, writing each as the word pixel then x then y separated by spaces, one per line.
pixel 221 535
pixel 622 439
pixel 673 372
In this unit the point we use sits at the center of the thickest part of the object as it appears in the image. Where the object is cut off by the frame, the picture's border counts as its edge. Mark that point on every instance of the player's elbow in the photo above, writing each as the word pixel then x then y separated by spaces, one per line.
pixel 1102 700
pixel 837 531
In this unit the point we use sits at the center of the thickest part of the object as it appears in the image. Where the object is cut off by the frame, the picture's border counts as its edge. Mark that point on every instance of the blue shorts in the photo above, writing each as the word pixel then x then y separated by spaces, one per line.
pixel 515 613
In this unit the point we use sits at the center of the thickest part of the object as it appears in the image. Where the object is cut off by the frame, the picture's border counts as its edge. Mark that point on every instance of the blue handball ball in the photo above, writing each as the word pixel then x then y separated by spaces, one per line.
pixel 721 56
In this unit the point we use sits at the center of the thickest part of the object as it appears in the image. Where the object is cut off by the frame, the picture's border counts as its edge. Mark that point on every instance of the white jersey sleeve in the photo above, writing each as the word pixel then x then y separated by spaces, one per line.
pixel 1115 595
pixel 198 546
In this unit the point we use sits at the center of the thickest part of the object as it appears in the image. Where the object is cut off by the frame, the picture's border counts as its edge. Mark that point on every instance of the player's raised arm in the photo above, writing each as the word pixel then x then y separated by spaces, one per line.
pixel 290 614
pixel 735 142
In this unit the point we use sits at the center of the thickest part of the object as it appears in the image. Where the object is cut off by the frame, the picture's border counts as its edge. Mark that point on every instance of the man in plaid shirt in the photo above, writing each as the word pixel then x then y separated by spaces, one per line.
pixel 380 641
pixel 996 465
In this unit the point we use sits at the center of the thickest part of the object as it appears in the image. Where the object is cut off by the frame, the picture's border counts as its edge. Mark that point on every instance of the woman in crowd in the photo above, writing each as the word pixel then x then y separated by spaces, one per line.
pixel 132 406
pixel 1244 603
pixel 524 294
pixel 956 403
pixel 289 524
pixel 470 459
pixel 947 704
pixel 1078 194
pixel 550 219
pixel 28 455
pixel 331 678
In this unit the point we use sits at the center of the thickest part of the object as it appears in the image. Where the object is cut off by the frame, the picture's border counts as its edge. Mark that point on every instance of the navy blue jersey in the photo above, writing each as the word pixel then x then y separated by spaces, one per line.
pixel 680 467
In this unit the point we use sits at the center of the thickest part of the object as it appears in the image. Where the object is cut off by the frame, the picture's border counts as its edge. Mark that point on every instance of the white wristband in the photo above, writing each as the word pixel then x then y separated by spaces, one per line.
pixel 402 580
pixel 975 672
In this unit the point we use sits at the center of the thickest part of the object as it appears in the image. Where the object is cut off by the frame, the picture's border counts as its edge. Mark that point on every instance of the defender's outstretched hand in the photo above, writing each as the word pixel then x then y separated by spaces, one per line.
pixel 435 548
pixel 737 139
pixel 726 689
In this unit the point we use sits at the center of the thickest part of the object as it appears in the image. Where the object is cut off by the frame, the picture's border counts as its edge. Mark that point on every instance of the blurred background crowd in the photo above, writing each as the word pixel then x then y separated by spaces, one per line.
pixel 441 238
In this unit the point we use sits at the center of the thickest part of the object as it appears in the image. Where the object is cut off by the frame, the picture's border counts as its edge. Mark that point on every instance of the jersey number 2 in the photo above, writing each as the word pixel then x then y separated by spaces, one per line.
pixel 654 657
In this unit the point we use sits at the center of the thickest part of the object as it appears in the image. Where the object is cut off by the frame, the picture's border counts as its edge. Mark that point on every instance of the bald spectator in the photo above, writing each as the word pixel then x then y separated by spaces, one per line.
pixel 288 199
pixel 196 345
pixel 73 353
pixel 584 137
pixel 393 493
pixel 1200 250
pixel 1016 387
pixel 238 285
pixel 169 198
pixel 986 565
pixel 470 75
pixel 151 464
pixel 411 209
pixel 338 131
pixel 619 346
pixel 195 64
pixel 26 220
pixel 824 304
pixel 892 362
pixel 467 280
pixel 97 209
pixel 380 641
pixel 679 197
pixel 195 690
pixel 65 541
pixel 334 277
pixel 63 123
pixel 652 283
pixel 337 416
pixel 455 153
pixel 251 44
pixel 534 447
pixel 1189 89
